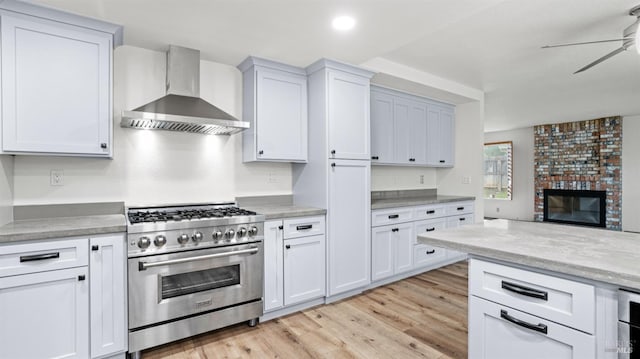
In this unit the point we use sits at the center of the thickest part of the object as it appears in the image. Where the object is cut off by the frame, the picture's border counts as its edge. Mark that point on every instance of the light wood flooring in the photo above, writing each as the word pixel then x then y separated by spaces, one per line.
pixel 424 316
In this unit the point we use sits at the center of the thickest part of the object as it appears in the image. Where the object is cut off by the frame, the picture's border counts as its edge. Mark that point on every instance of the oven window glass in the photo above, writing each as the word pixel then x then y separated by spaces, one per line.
pixel 200 281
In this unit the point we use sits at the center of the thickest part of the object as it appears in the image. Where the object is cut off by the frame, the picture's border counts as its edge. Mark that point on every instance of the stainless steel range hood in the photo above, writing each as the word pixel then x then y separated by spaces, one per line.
pixel 182 109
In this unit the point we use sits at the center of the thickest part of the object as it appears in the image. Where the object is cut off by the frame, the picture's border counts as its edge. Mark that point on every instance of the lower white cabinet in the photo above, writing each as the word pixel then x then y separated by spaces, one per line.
pixel 304 269
pixel 107 263
pixel 391 250
pixel 45 315
pixel 497 331
pixel 59 305
pixel 294 261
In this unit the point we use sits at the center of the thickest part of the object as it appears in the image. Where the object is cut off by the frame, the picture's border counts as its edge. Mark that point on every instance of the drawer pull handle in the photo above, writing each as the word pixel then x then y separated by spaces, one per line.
pixel 394 216
pixel 306 226
pixel 526 291
pixel 442 161
pixel 288 246
pixel 462 218
pixel 394 229
pixel 39 257
pixel 95 247
pixel 431 251
pixel 537 327
pixel 431 211
pixel 375 157
pixel 431 229
pixel 460 208
pixel 81 277
pixel 280 227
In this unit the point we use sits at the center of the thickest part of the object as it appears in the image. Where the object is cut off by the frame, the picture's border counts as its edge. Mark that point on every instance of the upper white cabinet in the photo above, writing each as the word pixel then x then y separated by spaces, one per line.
pixel 275 103
pixel 410 130
pixel 56 82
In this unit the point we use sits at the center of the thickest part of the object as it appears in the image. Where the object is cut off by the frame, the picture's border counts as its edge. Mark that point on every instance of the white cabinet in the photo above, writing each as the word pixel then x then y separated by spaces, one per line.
pixel 440 136
pixel 294 261
pixel 410 130
pixel 349 227
pixel 275 104
pixel 391 250
pixel 304 269
pixel 107 279
pixel 497 331
pixel 348 115
pixel 56 82
pixel 45 314
pixel 515 312
pixel 273 265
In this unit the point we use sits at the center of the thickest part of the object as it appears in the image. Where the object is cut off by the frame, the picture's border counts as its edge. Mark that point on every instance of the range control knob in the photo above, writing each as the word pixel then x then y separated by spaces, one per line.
pixel 242 232
pixel 229 234
pixel 197 237
pixel 160 240
pixel 253 231
pixel 183 238
pixel 217 235
pixel 144 242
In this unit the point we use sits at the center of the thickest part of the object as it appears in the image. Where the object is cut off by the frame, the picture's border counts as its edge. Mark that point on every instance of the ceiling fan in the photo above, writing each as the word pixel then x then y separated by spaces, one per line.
pixel 630 37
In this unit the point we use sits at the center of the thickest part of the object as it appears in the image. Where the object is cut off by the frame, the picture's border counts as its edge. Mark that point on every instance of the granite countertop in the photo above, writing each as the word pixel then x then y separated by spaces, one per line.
pixel 277 211
pixel 416 201
pixel 596 254
pixel 44 228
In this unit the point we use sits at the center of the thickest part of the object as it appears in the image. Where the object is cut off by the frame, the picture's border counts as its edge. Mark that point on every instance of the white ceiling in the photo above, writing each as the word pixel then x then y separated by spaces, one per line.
pixel 492 45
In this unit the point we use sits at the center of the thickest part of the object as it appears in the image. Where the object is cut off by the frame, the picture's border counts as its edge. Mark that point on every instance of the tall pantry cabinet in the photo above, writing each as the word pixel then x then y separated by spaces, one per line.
pixel 337 175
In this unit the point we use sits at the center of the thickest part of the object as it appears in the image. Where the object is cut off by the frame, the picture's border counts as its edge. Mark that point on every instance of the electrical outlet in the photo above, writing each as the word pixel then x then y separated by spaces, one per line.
pixel 57 178
pixel 421 179
pixel 272 178
pixel 466 180
pixel 497 209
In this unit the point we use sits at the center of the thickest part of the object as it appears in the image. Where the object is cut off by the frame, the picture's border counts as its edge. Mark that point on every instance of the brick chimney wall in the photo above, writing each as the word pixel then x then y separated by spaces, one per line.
pixel 583 155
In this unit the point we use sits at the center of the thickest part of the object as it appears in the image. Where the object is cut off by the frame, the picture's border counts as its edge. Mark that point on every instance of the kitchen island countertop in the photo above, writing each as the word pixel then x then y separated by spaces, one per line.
pixel 596 254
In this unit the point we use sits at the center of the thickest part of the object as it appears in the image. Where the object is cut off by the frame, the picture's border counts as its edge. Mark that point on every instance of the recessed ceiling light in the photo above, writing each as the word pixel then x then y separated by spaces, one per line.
pixel 343 23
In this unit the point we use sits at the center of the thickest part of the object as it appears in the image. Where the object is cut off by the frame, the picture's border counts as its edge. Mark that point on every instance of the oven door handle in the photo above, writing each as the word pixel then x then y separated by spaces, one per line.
pixel 144 265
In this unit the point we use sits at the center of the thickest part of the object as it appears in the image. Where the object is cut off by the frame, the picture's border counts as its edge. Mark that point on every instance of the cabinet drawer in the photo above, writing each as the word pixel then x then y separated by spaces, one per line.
pixel 425 255
pixel 459 208
pixel 303 227
pixel 560 300
pixel 428 212
pixel 497 331
pixel 461 220
pixel 383 217
pixel 43 256
pixel 430 225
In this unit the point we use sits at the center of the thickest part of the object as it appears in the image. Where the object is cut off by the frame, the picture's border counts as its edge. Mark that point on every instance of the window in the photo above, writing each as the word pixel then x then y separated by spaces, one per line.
pixel 498 169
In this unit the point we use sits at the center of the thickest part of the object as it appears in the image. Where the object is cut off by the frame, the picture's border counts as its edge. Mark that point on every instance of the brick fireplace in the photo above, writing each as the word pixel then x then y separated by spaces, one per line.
pixel 580 156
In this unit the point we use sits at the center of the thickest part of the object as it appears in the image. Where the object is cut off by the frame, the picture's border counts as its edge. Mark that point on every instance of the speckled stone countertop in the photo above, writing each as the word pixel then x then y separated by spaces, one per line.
pixel 416 201
pixel 278 206
pixel 33 222
pixel 596 254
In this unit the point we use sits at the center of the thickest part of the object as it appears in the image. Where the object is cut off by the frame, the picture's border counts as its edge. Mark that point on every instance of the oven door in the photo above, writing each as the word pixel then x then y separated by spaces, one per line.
pixel 176 285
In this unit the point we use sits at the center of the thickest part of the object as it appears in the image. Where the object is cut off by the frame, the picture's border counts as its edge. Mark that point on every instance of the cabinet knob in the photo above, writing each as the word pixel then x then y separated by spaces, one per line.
pixel 412 159
pixel 442 161
pixel 288 246
pixel 280 227
pixel 261 152
pixel 333 165
pixel 81 277
pixel 103 145
pixel 333 152
pixel 95 247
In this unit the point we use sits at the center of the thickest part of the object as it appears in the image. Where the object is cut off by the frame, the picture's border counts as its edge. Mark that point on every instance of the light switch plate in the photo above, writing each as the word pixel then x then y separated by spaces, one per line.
pixel 57 178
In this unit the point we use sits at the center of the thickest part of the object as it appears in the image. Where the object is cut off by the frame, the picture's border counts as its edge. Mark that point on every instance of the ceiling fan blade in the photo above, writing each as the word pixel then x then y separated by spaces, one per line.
pixel 603 58
pixel 584 43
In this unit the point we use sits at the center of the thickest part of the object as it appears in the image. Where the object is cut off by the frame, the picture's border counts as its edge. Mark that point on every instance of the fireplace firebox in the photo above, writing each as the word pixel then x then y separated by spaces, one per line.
pixel 587 208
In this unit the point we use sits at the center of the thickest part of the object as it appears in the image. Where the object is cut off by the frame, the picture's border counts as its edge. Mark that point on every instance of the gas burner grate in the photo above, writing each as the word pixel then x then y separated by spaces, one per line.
pixel 186 214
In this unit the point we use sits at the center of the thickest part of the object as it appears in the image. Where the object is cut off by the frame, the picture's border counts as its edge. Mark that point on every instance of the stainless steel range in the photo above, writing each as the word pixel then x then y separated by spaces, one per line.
pixel 192 269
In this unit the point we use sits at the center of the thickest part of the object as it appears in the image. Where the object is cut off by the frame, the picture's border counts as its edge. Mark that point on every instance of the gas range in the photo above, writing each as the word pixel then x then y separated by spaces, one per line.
pixel 165 229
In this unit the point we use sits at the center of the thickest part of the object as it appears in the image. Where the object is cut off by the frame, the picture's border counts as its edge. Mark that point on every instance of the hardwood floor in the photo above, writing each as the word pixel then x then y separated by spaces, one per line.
pixel 424 316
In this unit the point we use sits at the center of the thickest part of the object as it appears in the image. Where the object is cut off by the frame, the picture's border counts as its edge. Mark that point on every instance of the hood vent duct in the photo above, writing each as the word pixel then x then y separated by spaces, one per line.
pixel 182 109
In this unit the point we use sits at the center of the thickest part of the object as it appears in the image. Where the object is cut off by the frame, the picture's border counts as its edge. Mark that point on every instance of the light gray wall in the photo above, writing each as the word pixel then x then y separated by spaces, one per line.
pixel 521 204
pixel 156 166
pixel 631 173
pixel 385 178
pixel 6 189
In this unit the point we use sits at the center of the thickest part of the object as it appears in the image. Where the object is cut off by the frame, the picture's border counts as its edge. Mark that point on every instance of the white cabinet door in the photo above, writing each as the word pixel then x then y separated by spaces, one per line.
pixel 107 263
pixel 304 269
pixel 381 252
pixel 381 128
pixel 349 225
pixel 440 136
pixel 56 88
pixel 418 135
pixel 348 110
pixel 403 248
pixel 497 332
pixel 273 265
pixel 281 116
pixel 402 131
pixel 45 315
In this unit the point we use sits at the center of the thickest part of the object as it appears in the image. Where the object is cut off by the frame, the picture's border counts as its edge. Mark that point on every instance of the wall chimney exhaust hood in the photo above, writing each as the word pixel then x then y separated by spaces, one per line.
pixel 182 109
